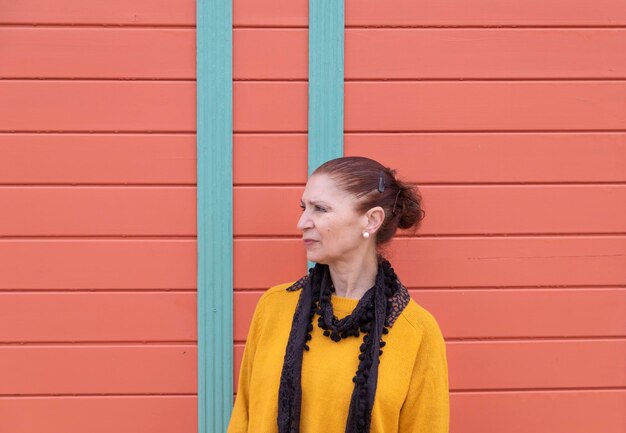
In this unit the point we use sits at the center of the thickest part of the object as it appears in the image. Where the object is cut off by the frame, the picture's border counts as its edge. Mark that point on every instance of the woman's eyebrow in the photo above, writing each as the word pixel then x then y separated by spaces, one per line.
pixel 315 203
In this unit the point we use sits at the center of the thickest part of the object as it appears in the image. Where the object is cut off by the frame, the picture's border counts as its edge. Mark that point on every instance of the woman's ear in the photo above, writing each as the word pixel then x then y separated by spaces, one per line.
pixel 375 217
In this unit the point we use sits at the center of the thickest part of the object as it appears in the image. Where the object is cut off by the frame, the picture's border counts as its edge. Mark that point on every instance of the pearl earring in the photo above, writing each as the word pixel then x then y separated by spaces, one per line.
pixel 366 235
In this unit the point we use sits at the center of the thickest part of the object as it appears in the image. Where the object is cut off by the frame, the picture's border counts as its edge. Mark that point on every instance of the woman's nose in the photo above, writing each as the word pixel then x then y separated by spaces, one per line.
pixel 304 222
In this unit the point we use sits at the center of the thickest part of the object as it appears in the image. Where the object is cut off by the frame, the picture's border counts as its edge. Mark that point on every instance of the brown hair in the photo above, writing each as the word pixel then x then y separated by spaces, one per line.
pixel 361 177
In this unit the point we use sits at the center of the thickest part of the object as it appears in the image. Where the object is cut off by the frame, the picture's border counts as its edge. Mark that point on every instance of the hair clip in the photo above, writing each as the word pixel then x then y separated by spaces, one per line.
pixel 393 212
pixel 381 182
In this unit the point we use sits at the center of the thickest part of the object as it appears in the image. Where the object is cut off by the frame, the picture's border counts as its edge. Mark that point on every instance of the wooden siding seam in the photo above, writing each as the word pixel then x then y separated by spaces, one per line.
pixel 358 80
pixel 303 132
pixel 537 389
pixel 103 26
pixel 373 27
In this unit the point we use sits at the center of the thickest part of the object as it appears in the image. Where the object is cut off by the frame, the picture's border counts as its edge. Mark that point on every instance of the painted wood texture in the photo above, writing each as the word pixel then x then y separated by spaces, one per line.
pixel 86 369
pixel 279 159
pixel 78 355
pixel 294 13
pixel 125 414
pixel 268 53
pixel 542 411
pixel 159 106
pixel 103 316
pixel 515 135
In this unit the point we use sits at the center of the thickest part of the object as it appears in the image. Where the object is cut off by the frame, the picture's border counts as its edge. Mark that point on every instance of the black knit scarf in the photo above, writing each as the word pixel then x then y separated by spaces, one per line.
pixel 374 314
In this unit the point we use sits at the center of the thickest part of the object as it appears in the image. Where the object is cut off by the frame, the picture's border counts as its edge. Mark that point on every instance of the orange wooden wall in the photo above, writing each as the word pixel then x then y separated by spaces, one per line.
pixel 511 121
pixel 98 218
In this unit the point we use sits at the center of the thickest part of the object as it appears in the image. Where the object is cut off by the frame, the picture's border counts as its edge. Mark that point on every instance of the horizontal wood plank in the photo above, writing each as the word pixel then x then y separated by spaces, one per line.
pixel 439 54
pixel 281 106
pixel 281 158
pixel 501 157
pixel 539 411
pixel 78 264
pixel 295 13
pixel 156 53
pixel 468 314
pixel 137 369
pixel 119 414
pixel 97 158
pixel 266 158
pixel 531 313
pixel 143 158
pixel 443 106
pixel 457 262
pixel 440 106
pixel 563 364
pixel 84 211
pixel 116 12
pixel 438 13
pixel 97 317
pixel 90 106
pixel 478 53
pixel 72 53
pixel 521 365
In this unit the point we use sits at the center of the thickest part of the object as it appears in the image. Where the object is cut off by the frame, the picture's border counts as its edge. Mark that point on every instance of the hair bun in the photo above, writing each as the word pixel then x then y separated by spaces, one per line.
pixel 409 206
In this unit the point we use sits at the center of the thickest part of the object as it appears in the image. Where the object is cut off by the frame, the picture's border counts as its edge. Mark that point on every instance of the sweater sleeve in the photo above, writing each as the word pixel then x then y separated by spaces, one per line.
pixel 240 414
pixel 426 408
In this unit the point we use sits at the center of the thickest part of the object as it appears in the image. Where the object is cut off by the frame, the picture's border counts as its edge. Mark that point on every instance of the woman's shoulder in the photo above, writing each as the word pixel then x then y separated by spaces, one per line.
pixel 422 321
pixel 277 294
pixel 278 289
pixel 276 304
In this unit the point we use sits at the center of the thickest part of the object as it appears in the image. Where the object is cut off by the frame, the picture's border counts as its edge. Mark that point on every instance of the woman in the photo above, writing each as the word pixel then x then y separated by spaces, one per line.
pixel 345 348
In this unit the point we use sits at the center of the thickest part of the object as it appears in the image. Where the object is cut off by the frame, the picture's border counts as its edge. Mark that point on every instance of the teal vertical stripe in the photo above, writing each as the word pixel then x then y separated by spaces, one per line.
pixel 214 215
pixel 326 46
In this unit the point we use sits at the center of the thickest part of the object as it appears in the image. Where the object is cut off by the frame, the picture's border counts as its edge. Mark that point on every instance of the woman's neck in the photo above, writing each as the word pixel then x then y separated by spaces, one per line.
pixel 352 279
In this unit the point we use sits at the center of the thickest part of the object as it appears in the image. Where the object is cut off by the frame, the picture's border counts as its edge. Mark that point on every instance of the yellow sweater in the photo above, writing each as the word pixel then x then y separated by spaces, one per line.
pixel 412 391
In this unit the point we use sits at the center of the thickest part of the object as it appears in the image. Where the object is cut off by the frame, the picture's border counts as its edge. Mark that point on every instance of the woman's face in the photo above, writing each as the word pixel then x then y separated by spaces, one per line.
pixel 331 229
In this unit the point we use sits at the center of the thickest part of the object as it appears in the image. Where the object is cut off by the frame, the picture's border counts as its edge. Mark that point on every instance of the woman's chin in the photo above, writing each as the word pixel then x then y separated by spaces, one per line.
pixel 312 257
pixel 316 258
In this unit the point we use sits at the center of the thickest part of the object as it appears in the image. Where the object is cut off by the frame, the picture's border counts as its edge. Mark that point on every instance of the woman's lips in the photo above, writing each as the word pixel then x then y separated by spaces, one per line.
pixel 308 242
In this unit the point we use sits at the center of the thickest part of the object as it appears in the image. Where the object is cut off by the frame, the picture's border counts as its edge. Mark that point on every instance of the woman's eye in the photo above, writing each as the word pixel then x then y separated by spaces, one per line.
pixel 317 208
